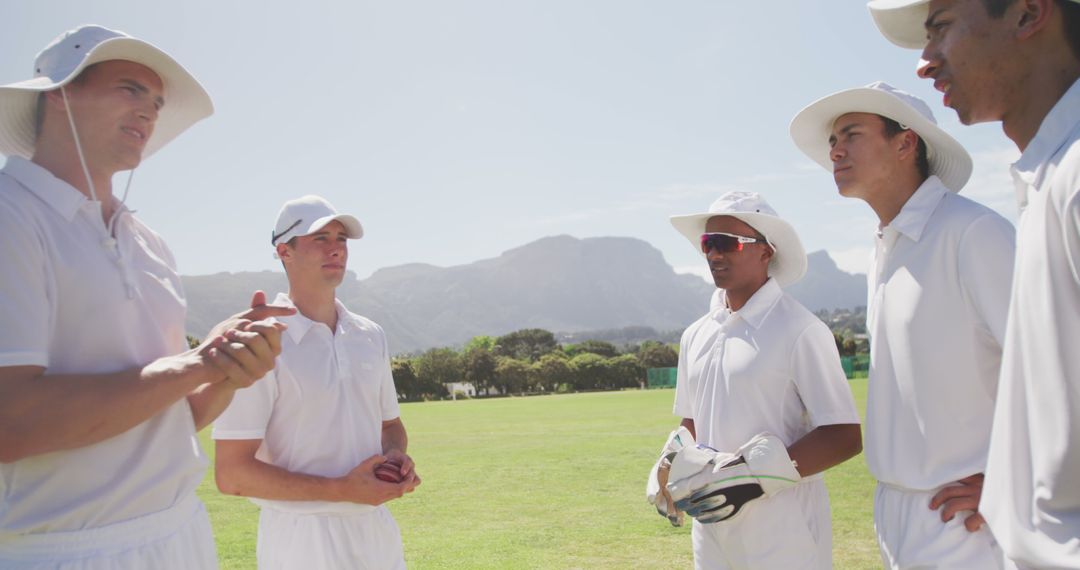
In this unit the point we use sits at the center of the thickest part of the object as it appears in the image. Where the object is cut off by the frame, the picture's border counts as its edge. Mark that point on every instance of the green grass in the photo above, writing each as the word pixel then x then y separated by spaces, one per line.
pixel 547 482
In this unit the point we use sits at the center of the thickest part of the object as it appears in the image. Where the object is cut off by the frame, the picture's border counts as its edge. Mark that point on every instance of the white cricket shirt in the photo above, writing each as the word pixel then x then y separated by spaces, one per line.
pixel 1031 496
pixel 74 301
pixel 320 411
pixel 770 366
pixel 938 290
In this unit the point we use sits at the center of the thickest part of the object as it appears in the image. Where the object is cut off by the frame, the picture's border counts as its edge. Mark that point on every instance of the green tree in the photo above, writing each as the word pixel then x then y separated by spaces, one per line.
pixel 411 388
pixel 599 347
pixel 654 354
pixel 439 366
pixel 551 371
pixel 590 371
pixel 484 342
pixel 479 364
pixel 526 344
pixel 511 375
pixel 625 372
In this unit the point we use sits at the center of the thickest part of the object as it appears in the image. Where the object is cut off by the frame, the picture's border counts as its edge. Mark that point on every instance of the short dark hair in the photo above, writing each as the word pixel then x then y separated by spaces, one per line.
pixel 893 128
pixel 1070 13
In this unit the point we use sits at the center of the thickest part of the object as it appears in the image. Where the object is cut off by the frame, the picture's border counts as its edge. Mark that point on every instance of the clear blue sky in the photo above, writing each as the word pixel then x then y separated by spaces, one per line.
pixel 455 130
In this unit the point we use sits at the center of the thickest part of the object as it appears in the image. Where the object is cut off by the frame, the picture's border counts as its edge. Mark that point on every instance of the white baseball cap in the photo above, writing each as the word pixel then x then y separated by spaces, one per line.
pixel 68 55
pixel 788 263
pixel 309 214
pixel 811 127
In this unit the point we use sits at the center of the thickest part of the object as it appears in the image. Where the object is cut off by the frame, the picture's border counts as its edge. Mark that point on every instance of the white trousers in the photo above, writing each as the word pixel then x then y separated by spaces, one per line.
pixel 176 539
pixel 791 530
pixel 293 541
pixel 913 537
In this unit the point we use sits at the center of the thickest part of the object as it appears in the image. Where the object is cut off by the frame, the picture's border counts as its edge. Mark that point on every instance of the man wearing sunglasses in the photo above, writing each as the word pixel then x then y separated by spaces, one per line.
pixel 938 296
pixel 761 389
pixel 311 441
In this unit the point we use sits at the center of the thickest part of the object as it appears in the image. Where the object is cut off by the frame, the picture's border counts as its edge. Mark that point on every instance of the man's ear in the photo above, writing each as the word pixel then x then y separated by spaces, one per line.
pixel 283 251
pixel 1029 16
pixel 908 143
pixel 767 253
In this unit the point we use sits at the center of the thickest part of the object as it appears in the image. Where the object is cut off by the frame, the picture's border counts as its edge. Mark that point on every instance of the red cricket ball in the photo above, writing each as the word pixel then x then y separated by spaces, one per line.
pixel 389 471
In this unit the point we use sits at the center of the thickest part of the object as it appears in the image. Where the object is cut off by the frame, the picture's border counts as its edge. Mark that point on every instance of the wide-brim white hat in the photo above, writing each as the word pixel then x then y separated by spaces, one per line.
pixel 902 22
pixel 186 102
pixel 811 127
pixel 788 263
pixel 309 214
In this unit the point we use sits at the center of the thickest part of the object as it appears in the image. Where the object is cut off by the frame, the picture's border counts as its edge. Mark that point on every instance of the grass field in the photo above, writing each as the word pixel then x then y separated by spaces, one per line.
pixel 505 486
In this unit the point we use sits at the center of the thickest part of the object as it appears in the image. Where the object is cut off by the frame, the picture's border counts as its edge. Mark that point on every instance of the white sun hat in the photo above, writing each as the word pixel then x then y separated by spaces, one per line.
pixel 901 21
pixel 788 262
pixel 309 214
pixel 186 102
pixel 811 127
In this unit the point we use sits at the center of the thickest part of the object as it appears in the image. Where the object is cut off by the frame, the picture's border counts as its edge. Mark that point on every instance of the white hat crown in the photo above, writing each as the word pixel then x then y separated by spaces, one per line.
pixel 61 57
pixel 741 202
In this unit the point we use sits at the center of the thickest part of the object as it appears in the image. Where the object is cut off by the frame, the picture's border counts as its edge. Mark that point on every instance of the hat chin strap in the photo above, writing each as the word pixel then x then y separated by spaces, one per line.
pixel 86 170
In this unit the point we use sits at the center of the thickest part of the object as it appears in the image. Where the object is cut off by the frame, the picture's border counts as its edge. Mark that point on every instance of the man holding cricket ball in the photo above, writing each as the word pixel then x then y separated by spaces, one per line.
pixel 318 443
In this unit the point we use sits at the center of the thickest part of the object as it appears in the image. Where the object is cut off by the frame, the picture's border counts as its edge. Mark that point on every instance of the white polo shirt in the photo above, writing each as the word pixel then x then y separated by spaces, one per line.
pixel 1031 496
pixel 75 302
pixel 938 293
pixel 770 366
pixel 320 411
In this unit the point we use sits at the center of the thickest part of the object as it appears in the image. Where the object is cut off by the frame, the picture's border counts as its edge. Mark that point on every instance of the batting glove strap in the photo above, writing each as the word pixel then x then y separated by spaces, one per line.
pixel 655 488
pixel 768 462
pixel 676 441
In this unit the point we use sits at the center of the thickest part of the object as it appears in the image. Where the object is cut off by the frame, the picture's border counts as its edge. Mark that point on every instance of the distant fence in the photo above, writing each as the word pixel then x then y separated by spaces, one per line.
pixel 855 366
pixel 662 377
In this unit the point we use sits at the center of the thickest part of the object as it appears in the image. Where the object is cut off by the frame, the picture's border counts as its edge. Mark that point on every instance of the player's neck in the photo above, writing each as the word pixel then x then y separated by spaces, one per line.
pixel 889 200
pixel 1045 87
pixel 737 298
pixel 316 304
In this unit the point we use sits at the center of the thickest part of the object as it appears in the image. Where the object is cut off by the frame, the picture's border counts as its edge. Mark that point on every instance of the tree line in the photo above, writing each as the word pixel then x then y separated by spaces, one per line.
pixel 528 361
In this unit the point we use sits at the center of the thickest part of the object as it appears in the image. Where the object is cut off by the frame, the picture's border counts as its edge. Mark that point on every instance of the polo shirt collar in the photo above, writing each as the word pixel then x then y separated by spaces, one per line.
pixel 62 197
pixel 913 217
pixel 759 305
pixel 1058 127
pixel 299 325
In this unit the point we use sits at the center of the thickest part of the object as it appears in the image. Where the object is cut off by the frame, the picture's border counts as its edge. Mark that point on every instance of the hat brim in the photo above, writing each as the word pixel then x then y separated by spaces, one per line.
pixel 186 102
pixel 811 127
pixel 353 229
pixel 788 263
pixel 902 22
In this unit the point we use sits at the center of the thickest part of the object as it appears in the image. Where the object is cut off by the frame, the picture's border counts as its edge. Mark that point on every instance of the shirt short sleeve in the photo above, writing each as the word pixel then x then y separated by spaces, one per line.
pixel 684 392
pixel 25 307
pixel 388 399
pixel 249 413
pixel 987 250
pixel 820 379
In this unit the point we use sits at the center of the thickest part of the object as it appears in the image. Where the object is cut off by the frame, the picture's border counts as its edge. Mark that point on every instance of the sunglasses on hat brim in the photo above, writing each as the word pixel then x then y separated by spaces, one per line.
pixel 725 242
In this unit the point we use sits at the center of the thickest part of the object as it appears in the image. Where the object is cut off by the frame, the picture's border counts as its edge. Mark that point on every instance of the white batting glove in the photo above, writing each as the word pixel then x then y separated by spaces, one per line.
pixel 713 486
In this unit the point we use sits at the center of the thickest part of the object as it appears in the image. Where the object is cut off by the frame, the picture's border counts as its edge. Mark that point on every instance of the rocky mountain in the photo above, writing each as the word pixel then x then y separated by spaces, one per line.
pixel 825 286
pixel 561 283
